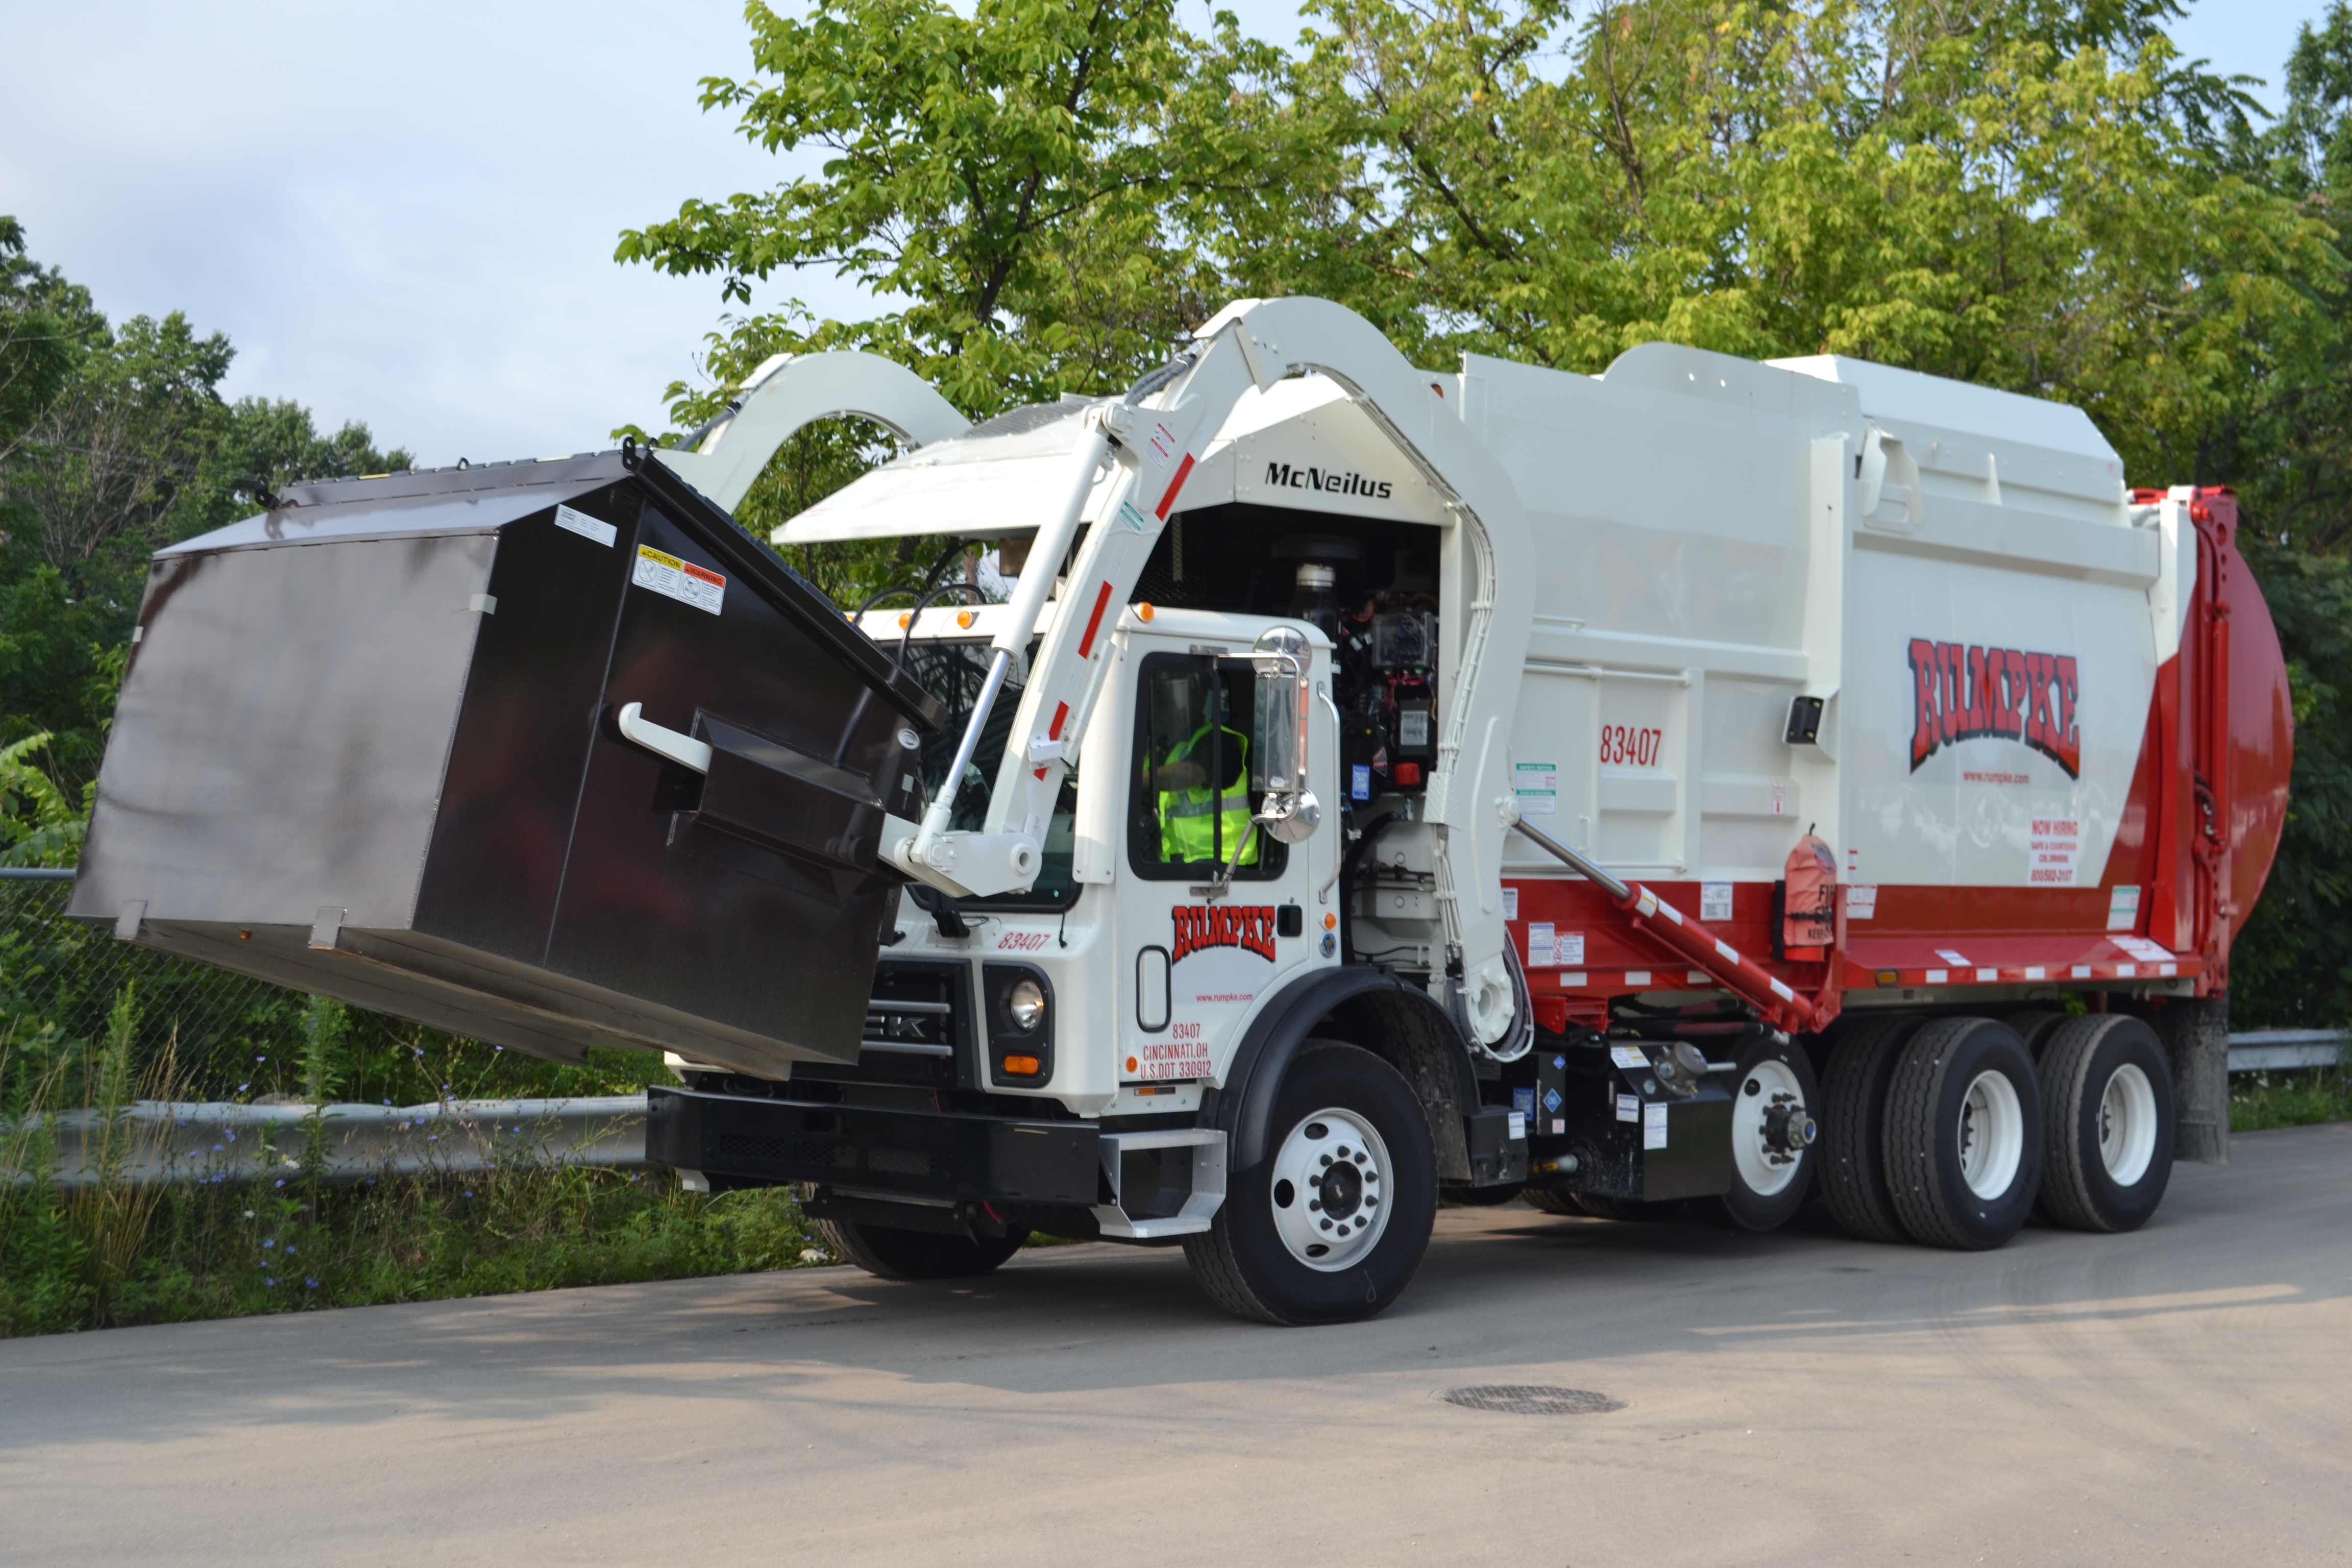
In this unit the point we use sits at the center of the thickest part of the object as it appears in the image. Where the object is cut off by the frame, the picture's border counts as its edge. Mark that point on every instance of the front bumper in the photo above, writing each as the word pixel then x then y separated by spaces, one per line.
pixel 937 1155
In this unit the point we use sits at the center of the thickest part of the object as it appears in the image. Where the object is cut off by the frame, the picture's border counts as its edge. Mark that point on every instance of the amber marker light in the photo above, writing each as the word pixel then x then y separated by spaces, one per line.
pixel 1143 611
pixel 906 619
pixel 965 618
pixel 1021 1066
pixel 1890 977
pixel 1330 920
pixel 1131 1064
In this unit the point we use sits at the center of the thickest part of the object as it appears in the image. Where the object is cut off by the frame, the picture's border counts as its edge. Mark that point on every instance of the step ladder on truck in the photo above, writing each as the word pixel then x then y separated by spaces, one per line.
pixel 1680 790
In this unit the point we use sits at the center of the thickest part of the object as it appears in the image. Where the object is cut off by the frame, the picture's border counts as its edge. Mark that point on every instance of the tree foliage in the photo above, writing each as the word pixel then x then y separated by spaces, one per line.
pixel 115 441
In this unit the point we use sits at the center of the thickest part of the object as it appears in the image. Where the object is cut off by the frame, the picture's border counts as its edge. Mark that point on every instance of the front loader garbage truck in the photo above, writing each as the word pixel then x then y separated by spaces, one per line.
pixel 1686 789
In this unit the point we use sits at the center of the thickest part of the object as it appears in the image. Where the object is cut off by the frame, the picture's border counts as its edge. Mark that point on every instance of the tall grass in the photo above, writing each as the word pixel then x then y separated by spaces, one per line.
pixel 119 1251
pixel 113 1214
pixel 2264 1100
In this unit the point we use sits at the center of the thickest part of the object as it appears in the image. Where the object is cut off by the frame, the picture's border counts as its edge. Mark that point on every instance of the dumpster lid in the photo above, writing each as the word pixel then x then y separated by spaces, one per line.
pixel 486 498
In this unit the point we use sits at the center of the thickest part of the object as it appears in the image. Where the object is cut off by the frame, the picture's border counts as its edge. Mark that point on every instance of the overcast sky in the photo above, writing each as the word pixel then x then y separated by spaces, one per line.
pixel 406 215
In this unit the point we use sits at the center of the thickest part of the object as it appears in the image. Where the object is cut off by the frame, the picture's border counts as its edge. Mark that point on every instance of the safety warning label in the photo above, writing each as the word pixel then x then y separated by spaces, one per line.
pixel 679 580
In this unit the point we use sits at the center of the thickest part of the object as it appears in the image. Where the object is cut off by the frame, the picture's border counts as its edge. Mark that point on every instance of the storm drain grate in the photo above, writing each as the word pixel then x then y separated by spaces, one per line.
pixel 1532 1399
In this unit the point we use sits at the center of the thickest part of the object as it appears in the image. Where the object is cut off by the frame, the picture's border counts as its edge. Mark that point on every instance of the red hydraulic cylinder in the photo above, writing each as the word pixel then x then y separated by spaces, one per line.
pixel 1700 947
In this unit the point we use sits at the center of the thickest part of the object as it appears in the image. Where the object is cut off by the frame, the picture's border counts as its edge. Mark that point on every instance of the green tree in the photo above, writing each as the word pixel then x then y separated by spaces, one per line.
pixel 114 442
pixel 2015 196
pixel 1034 189
pixel 984 172
pixel 43 320
pixel 2289 455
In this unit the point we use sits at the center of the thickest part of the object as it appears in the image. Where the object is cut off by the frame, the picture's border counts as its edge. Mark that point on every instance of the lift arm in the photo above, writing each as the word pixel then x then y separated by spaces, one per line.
pixel 1156 436
pixel 1695 944
pixel 787 392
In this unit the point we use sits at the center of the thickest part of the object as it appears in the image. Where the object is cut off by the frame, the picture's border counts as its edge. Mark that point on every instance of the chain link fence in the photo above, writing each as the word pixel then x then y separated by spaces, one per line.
pixel 60 980
pixel 204 1034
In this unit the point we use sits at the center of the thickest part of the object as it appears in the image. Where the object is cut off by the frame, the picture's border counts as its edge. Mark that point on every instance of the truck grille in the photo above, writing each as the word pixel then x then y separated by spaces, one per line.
pixel 912 1011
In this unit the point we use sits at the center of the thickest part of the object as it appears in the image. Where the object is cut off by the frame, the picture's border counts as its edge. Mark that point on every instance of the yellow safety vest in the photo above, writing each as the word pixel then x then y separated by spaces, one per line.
pixel 1190 820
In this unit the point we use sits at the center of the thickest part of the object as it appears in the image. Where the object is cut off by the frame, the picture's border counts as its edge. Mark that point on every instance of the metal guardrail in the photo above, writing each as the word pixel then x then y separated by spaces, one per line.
pixel 165 1140
pixel 215 1142
pixel 2278 1050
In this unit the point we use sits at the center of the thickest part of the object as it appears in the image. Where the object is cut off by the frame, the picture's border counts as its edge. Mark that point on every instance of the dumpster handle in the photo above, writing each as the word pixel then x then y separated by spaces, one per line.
pixel 683 750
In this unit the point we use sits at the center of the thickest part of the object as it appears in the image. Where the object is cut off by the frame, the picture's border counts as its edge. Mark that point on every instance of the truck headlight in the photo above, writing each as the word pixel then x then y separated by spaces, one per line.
pixel 1025 1003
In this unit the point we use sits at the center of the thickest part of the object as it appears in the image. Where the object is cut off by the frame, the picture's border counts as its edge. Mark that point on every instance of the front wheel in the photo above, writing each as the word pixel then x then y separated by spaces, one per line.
pixel 888 1253
pixel 1331 1226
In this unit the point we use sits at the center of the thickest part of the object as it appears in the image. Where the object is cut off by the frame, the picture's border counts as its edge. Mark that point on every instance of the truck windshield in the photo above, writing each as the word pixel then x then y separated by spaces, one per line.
pixel 952 672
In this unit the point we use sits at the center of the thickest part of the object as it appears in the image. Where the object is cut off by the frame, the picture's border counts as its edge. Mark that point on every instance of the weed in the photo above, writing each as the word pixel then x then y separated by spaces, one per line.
pixel 2262 1099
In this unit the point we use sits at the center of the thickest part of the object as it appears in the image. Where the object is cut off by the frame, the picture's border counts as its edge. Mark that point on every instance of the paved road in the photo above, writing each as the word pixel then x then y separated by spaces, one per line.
pixel 2184 1394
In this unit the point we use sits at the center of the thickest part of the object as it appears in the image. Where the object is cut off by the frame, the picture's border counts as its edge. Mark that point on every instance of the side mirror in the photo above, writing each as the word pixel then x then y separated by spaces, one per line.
pixel 1278 750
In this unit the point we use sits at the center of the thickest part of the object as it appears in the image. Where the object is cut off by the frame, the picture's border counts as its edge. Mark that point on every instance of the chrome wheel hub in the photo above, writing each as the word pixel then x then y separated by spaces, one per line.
pixel 1770 1128
pixel 1330 1195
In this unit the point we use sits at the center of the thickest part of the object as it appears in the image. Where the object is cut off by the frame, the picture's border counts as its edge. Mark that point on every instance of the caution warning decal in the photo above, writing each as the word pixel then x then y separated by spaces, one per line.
pixel 679 580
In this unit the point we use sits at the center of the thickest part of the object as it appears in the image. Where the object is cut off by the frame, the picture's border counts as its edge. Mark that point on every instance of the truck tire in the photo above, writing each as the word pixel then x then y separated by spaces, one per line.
pixel 2033 1026
pixel 1775 1103
pixel 1851 1164
pixel 1963 1134
pixel 2106 1095
pixel 1274 1252
pixel 888 1253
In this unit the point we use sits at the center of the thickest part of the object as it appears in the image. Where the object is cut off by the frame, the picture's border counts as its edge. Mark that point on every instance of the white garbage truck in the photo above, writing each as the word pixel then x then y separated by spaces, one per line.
pixel 1682 791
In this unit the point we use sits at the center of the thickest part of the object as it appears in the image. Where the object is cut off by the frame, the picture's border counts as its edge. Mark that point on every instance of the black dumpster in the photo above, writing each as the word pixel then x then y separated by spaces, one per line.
pixel 368 747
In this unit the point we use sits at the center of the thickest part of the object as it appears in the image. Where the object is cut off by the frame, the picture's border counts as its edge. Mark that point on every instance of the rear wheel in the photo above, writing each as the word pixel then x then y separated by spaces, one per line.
pixel 1331 1226
pixel 2033 1026
pixel 2106 1090
pixel 890 1253
pixel 1774 1135
pixel 1851 1164
pixel 1963 1134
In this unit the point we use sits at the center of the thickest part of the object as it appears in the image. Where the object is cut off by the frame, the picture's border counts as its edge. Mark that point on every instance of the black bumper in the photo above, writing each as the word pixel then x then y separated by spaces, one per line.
pixel 920 1154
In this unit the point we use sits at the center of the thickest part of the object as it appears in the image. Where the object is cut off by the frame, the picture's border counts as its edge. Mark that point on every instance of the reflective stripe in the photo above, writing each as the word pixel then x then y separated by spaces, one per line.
pixel 1186 806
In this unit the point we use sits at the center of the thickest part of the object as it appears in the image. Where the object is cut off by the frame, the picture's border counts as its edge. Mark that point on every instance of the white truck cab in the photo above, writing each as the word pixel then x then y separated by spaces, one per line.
pixel 1161 912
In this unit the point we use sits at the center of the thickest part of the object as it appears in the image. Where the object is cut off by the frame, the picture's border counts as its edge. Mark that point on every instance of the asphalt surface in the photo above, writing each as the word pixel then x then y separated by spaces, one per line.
pixel 2182 1395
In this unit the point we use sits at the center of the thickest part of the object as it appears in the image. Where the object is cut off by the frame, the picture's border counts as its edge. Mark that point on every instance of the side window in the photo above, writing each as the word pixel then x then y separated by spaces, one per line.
pixel 1192 798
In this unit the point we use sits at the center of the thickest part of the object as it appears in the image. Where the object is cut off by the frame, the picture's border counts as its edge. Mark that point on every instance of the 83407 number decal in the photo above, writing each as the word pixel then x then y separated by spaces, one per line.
pixel 1626 746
